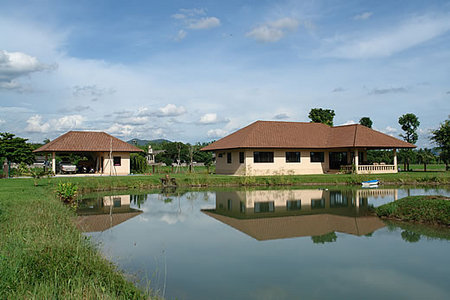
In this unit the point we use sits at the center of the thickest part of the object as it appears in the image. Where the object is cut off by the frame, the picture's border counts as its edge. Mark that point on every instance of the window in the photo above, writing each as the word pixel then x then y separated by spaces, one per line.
pixel 241 157
pixel 261 207
pixel 229 158
pixel 293 205
pixel 220 155
pixel 263 157
pixel 317 157
pixel 292 157
pixel 229 204
pixel 117 161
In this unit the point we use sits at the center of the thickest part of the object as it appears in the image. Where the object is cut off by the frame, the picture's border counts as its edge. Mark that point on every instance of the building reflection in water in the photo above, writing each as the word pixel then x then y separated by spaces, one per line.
pixel 278 214
pixel 102 213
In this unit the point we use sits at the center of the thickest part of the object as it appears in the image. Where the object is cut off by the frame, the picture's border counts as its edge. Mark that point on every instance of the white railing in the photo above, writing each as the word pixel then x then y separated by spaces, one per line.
pixel 370 169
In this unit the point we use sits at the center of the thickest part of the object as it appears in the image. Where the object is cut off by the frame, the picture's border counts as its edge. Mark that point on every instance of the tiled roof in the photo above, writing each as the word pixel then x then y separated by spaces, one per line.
pixel 271 134
pixel 87 141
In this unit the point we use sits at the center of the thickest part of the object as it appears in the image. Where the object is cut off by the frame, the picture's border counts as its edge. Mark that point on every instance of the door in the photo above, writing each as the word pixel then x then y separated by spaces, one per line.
pixel 337 159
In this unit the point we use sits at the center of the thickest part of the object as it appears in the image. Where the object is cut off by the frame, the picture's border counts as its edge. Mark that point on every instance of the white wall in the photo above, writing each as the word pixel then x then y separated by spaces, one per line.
pixel 278 167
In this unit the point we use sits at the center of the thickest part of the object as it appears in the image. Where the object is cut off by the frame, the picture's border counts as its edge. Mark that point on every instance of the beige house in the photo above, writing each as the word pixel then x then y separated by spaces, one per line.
pixel 106 154
pixel 284 148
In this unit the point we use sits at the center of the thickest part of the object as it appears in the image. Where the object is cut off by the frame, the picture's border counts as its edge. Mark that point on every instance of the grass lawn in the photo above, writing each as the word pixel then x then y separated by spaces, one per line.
pixel 43 255
pixel 430 167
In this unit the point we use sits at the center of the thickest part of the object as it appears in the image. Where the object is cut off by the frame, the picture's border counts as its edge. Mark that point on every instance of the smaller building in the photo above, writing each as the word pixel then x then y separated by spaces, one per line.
pixel 105 154
pixel 288 148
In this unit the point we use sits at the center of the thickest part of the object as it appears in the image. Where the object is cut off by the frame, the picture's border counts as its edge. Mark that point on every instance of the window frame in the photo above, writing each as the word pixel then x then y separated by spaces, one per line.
pixel 229 158
pixel 115 163
pixel 241 157
pixel 270 160
pixel 298 155
pixel 311 155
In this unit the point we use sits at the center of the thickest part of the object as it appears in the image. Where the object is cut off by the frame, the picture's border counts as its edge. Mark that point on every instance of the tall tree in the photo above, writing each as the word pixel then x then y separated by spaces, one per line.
pixel 441 137
pixel 319 115
pixel 410 123
pixel 15 149
pixel 366 121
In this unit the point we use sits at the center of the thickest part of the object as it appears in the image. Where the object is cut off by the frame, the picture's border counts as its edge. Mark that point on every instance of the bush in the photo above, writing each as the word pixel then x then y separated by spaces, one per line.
pixel 67 191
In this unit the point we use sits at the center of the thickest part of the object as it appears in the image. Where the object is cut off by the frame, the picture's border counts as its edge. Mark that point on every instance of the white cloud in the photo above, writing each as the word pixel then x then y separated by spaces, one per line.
pixel 2 121
pixel 120 130
pixel 390 130
pixel 392 40
pixel 210 118
pixel 193 19
pixel 273 31
pixel 204 23
pixel 349 122
pixel 217 133
pixel 171 110
pixel 363 16
pixel 91 90
pixel 180 35
pixel 17 64
pixel 193 11
pixel 35 124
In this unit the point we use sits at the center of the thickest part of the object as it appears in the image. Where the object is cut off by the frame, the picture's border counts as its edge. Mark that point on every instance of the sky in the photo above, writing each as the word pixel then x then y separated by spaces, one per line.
pixel 195 71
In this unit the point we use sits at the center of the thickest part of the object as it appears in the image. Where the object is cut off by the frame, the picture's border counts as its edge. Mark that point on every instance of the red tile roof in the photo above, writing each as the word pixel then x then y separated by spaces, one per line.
pixel 271 134
pixel 87 141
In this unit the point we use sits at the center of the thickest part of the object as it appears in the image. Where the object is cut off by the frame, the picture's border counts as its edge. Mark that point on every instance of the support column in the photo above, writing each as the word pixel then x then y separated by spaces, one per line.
pixel 356 161
pixel 54 163
pixel 394 151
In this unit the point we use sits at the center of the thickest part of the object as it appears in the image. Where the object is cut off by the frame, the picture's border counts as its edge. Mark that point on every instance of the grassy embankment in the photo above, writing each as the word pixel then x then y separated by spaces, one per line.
pixel 422 209
pixel 43 255
pixel 205 180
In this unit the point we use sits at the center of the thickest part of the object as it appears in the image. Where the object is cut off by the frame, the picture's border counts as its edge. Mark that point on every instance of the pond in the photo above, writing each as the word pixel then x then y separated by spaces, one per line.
pixel 270 244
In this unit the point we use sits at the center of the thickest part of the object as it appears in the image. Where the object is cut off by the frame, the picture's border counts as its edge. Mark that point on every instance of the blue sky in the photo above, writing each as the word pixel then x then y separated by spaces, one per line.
pixel 197 70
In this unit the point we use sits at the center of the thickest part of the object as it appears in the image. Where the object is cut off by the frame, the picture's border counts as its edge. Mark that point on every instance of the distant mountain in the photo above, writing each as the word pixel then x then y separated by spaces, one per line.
pixel 140 142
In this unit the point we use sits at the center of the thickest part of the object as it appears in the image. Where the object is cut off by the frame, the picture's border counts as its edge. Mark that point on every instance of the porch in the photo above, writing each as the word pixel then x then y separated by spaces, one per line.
pixel 353 164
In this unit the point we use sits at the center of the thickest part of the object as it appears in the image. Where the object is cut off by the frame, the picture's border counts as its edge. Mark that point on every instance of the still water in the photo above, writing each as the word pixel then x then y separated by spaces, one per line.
pixel 270 244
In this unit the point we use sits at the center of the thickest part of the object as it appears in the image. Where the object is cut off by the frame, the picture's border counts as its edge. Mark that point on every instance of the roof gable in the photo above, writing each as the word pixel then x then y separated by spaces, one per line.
pixel 271 134
pixel 87 141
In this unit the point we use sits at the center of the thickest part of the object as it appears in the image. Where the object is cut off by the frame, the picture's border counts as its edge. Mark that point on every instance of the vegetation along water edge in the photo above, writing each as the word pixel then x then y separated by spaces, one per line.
pixel 433 210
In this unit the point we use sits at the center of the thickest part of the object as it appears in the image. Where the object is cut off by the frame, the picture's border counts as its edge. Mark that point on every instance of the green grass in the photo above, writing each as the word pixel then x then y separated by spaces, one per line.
pixel 423 209
pixel 430 167
pixel 43 255
pixel 207 180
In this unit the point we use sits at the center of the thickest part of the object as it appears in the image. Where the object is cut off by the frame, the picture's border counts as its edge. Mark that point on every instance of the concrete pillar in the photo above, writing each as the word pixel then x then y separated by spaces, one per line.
pixel 54 162
pixel 356 161
pixel 394 151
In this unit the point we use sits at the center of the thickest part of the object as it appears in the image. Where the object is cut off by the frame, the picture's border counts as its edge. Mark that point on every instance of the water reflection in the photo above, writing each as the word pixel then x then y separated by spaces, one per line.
pixel 179 244
pixel 102 213
pixel 279 214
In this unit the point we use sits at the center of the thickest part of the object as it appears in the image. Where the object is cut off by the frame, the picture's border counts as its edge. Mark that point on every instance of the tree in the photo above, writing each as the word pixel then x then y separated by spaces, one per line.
pixel 366 121
pixel 425 156
pixel 15 149
pixel 410 123
pixel 441 137
pixel 319 115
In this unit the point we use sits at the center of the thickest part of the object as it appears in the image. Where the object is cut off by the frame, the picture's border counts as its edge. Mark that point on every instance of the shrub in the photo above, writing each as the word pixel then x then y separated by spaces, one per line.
pixel 67 191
